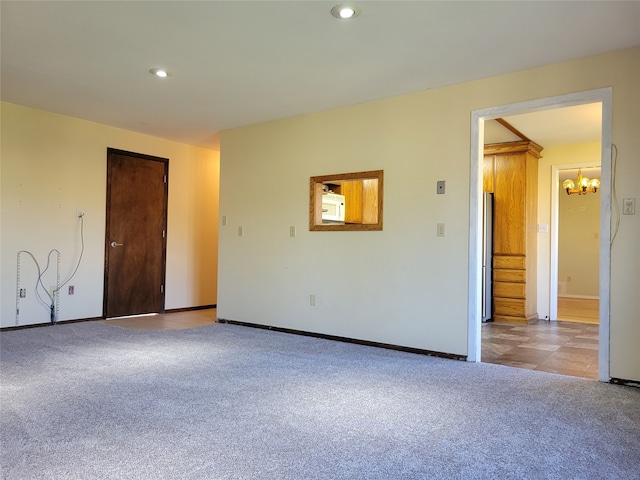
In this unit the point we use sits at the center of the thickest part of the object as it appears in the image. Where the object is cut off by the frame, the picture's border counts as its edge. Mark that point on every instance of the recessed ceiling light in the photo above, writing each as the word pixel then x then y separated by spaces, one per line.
pixel 159 72
pixel 344 11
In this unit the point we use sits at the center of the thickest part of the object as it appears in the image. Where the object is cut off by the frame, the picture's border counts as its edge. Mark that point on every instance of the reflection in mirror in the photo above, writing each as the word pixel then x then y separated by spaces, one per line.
pixel 346 202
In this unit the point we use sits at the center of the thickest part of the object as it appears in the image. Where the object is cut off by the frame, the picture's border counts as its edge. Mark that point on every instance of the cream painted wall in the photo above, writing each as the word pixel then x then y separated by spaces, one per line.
pixel 558 155
pixel 578 243
pixel 53 165
pixel 404 285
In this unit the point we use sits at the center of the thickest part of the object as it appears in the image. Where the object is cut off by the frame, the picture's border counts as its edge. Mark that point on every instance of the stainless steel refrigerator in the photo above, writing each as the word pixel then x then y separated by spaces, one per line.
pixel 487 256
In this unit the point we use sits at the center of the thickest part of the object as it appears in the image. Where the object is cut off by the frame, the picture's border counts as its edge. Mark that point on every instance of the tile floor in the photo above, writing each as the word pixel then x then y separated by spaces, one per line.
pixel 567 348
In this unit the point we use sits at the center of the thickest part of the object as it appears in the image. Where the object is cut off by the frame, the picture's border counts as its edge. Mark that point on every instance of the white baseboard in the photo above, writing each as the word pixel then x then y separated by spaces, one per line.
pixel 586 297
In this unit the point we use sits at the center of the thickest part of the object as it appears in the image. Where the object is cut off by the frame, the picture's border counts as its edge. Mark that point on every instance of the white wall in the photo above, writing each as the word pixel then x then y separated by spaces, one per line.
pixel 53 165
pixel 404 285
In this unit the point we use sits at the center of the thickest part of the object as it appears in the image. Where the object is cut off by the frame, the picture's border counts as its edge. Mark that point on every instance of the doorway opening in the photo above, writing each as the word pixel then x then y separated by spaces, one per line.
pixel 575 233
pixel 602 96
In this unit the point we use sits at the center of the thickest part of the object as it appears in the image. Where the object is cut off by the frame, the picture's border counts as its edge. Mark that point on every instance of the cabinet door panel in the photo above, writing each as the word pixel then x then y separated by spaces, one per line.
pixel 509 205
pixel 509 306
pixel 352 192
pixel 509 261
pixel 506 275
pixel 488 173
pixel 509 289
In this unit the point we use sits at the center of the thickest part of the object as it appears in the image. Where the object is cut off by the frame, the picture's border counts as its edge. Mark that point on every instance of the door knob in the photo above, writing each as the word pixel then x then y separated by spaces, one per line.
pixel 115 244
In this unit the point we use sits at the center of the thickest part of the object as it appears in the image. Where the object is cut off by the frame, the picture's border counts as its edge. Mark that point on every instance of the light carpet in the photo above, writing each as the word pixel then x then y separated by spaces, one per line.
pixel 94 401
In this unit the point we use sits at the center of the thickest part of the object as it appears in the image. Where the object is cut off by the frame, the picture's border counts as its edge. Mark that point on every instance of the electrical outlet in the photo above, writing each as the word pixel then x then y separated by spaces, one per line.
pixel 241 231
pixel 440 230
pixel 312 300
pixel 628 206
pixel 224 220
pixel 292 231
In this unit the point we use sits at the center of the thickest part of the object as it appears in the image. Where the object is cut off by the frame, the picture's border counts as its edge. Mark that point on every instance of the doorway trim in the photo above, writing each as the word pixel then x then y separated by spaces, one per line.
pixel 602 95
pixel 554 231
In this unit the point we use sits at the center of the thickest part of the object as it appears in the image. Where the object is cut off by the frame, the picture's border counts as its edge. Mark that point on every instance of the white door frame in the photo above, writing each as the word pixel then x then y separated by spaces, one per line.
pixel 554 230
pixel 603 95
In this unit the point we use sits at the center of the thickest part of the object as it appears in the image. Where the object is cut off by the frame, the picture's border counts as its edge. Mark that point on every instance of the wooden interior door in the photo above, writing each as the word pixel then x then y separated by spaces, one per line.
pixel 135 240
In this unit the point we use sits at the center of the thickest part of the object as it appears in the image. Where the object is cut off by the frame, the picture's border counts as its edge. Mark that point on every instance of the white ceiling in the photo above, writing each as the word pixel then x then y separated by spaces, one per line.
pixel 569 125
pixel 235 63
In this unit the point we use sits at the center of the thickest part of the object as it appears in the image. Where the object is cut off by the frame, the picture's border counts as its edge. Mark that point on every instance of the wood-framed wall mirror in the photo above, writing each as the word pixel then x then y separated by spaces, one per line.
pixel 346 202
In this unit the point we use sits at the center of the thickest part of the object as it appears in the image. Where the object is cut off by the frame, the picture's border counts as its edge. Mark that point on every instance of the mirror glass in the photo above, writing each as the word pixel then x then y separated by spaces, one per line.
pixel 346 201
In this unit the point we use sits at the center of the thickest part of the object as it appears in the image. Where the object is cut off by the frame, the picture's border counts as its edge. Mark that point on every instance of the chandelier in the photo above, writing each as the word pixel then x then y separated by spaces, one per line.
pixel 584 185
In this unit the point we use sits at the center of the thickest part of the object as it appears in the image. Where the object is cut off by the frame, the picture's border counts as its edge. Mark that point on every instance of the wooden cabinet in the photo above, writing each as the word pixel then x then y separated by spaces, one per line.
pixel 511 174
pixel 352 191
pixel 370 203
pixel 361 200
